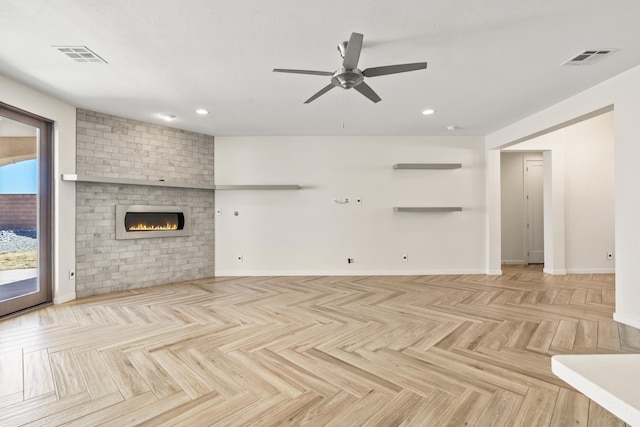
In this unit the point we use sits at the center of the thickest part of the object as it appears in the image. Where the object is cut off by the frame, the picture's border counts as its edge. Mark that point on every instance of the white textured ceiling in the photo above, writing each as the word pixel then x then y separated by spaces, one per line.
pixel 491 62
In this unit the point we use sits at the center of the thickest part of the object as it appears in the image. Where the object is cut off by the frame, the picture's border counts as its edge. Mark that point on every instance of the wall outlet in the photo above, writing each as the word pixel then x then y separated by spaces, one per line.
pixel 218 211
pixel 405 257
pixel 350 260
pixel 239 258
pixel 609 255
pixel 72 274
pixel 358 200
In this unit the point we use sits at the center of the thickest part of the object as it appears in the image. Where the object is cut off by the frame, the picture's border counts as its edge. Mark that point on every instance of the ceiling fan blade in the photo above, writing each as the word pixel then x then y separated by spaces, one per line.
pixel 393 69
pixel 366 90
pixel 352 55
pixel 321 92
pixel 315 73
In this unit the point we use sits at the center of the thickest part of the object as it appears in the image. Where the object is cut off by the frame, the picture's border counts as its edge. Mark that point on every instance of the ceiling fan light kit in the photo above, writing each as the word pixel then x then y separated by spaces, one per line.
pixel 349 76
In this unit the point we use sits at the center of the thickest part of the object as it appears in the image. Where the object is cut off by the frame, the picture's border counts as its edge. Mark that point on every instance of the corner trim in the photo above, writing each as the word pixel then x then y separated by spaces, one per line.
pixel 64 298
pixel 591 270
pixel 271 273
pixel 555 272
pixel 626 320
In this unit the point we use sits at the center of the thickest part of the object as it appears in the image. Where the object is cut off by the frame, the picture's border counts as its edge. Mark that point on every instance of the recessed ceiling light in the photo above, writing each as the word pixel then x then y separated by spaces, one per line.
pixel 167 117
pixel 428 112
pixel 202 111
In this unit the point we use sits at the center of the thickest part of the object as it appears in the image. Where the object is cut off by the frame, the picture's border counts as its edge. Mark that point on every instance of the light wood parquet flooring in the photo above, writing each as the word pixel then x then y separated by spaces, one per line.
pixel 468 350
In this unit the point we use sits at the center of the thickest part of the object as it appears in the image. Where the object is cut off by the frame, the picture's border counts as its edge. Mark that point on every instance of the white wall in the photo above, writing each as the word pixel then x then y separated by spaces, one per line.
pixel 589 195
pixel 64 116
pixel 513 207
pixel 623 92
pixel 554 216
pixel 588 170
pixel 304 232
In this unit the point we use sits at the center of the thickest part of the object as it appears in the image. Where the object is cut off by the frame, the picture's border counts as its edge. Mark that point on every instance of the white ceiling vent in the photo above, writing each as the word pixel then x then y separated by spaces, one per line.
pixel 80 53
pixel 589 57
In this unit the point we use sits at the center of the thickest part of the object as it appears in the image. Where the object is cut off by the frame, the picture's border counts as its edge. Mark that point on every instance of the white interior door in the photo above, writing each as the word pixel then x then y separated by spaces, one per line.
pixel 534 177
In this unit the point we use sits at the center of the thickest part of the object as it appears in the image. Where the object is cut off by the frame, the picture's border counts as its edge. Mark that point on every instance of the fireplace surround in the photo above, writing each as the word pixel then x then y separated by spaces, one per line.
pixel 142 221
pixel 125 149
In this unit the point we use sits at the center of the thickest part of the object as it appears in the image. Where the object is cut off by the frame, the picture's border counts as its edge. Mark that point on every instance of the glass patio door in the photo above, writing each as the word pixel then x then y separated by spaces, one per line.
pixel 25 210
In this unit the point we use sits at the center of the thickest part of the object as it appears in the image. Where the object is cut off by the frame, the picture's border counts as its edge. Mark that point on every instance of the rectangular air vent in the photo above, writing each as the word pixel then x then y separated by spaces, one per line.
pixel 80 53
pixel 589 57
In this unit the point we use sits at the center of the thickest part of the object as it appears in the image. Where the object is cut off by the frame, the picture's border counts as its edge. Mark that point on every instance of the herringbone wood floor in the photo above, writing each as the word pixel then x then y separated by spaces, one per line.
pixel 340 351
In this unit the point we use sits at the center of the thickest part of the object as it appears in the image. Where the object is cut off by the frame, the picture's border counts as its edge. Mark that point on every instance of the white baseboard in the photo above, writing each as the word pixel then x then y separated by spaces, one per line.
pixel 494 272
pixel 236 273
pixel 61 299
pixel 626 320
pixel 591 270
pixel 558 272
pixel 513 261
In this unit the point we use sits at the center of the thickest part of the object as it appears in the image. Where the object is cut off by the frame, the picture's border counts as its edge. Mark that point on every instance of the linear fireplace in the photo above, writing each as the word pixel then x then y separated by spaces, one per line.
pixel 141 221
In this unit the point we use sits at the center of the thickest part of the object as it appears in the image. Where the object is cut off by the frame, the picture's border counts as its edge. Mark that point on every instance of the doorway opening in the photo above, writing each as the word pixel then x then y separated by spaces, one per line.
pixel 26 191
pixel 522 207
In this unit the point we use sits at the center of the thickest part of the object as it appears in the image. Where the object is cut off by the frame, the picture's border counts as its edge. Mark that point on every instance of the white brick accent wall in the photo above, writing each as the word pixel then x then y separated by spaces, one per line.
pixel 111 146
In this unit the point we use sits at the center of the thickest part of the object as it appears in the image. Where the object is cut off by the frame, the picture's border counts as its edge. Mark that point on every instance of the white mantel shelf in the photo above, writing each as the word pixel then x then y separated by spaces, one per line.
pixel 159 183
pixel 130 181
pixel 610 380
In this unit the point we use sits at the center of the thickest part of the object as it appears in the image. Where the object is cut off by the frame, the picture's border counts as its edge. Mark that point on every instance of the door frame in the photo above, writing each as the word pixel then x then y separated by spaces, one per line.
pixel 45 209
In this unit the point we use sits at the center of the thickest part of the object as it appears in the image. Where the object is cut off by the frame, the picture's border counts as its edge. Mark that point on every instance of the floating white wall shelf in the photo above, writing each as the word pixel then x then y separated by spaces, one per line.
pixel 427 166
pixel 145 182
pixel 428 209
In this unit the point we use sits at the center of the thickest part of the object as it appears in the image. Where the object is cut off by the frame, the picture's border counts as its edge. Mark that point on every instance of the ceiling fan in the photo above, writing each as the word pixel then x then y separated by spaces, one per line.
pixel 349 76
